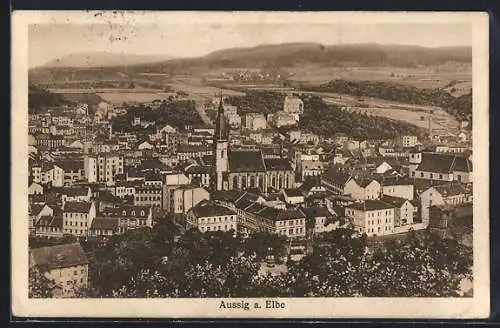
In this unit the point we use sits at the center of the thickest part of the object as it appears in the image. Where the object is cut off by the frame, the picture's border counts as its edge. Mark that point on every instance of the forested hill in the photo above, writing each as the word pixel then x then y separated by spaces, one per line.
pixel 284 55
pixel 459 107
pixel 326 120
pixel 287 55
pixel 39 99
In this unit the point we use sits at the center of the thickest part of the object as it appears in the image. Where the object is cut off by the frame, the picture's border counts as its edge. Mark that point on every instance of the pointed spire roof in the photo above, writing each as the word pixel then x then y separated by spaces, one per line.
pixel 221 128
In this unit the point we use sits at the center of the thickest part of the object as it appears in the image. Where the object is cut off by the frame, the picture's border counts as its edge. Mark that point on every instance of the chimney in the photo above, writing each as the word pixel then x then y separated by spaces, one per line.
pixel 430 126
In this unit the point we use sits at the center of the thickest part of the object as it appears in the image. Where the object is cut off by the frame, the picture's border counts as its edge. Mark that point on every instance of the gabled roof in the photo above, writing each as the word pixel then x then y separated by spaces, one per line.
pixel 50 222
pixel 59 256
pixel 151 164
pixel 293 192
pixel 274 164
pixel 197 169
pixel 105 223
pixel 73 191
pixel 152 177
pixel 106 196
pixel 451 189
pixel 371 205
pixel 312 165
pixel 35 209
pixel 316 211
pixel 364 182
pixel 77 207
pixel 395 201
pixel 70 165
pixel 187 148
pixel 336 177
pixel 310 182
pixel 444 163
pixel 206 210
pixel 393 181
pixel 132 211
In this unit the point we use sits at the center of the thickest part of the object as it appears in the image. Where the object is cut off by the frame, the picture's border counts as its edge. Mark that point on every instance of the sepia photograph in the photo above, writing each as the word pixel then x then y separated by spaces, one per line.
pixel 246 164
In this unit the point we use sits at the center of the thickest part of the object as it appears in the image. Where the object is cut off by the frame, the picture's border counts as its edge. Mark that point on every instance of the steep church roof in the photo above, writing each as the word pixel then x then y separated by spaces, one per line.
pixel 246 161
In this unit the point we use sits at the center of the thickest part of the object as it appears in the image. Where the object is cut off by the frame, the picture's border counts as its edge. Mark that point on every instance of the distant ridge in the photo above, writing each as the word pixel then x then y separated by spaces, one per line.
pixel 104 59
pixel 286 55
pixel 262 56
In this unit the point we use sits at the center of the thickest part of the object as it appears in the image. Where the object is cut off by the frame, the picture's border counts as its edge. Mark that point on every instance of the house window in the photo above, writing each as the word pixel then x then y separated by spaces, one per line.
pixel 421 174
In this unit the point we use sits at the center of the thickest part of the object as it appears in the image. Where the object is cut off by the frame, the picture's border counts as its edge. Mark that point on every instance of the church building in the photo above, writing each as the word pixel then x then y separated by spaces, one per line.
pixel 242 169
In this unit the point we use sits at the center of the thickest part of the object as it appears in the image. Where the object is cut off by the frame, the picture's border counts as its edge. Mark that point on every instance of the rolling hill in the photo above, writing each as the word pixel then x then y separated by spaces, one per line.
pixel 269 56
pixel 104 59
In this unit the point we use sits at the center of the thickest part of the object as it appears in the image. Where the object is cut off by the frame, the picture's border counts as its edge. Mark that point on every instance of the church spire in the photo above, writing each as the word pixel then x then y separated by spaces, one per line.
pixel 221 129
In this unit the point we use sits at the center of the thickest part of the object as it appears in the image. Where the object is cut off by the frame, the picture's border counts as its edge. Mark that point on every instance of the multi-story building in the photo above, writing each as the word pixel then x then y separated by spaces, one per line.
pixel 446 194
pixel 362 189
pixel 372 217
pixel 211 217
pixel 397 187
pixel 293 105
pixel 75 194
pixel 323 220
pixel 130 216
pixel 126 188
pixel 36 211
pixel 103 168
pixel 77 217
pixel 47 173
pixel 150 196
pixel 310 168
pixel 49 141
pixel 66 265
pixel 406 141
pixel 185 152
pixel 199 174
pixel 184 197
pixel 73 171
pixel 254 216
pixel 441 167
pixel 255 121
pixel 403 210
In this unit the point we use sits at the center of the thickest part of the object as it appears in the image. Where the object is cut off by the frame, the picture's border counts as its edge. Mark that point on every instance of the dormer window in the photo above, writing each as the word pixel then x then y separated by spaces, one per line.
pixel 133 213
pixel 142 213
pixel 124 212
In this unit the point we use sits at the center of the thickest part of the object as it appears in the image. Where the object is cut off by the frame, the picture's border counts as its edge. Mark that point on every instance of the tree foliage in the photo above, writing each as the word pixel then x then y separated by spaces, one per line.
pixel 177 113
pixel 159 262
pixel 259 243
pixel 265 102
pixel 360 126
pixel 39 99
pixel 39 286
pixel 459 107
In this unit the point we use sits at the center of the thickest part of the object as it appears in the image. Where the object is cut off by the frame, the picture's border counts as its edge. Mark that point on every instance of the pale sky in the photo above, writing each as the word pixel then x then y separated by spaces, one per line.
pixel 49 41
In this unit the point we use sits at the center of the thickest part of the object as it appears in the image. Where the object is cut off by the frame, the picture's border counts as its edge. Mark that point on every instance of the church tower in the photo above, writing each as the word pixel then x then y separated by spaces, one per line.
pixel 221 139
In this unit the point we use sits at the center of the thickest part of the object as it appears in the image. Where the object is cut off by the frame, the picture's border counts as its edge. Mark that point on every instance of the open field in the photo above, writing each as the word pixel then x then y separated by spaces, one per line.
pixel 442 122
pixel 131 97
pixel 102 90
pixel 428 78
pixel 199 92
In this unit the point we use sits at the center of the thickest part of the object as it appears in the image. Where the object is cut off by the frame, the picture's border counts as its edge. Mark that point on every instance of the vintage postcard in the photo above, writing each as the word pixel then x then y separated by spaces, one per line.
pixel 250 164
